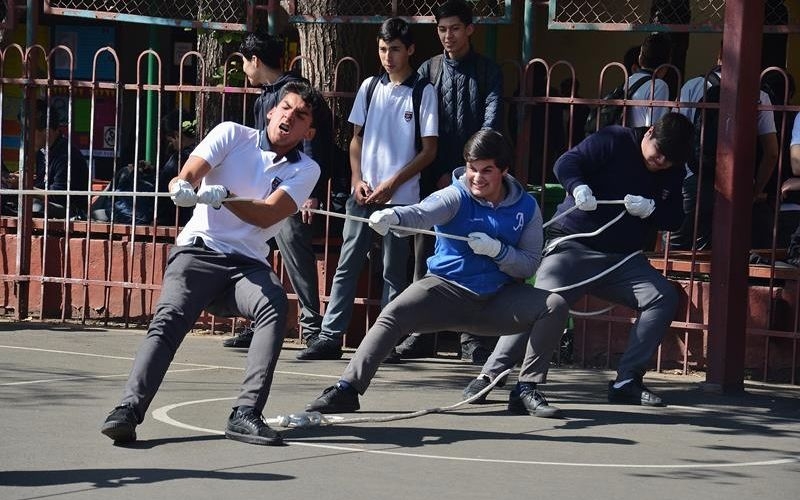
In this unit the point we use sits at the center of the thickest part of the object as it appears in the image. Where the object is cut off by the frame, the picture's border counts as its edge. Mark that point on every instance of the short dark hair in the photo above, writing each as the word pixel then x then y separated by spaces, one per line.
pixel 631 58
pixel 489 144
pixel 457 8
pixel 656 50
pixel 268 48
pixel 674 135
pixel 311 96
pixel 396 29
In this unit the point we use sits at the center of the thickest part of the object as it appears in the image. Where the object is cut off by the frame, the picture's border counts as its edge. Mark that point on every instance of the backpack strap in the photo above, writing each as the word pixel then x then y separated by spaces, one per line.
pixel 416 101
pixel 373 83
pixel 712 78
pixel 435 69
pixel 638 84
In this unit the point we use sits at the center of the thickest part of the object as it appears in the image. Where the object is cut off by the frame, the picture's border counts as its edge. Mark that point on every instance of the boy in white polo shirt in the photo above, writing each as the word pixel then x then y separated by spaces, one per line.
pixel 219 263
pixel 393 141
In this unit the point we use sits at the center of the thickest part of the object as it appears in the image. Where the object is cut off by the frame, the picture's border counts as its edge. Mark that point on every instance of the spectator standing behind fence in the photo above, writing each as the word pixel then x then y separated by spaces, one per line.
pixel 470 91
pixel 706 88
pixel 385 161
pixel 790 190
pixel 180 134
pixel 219 260
pixel 262 62
pixel 655 51
pixel 473 285
pixel 59 166
pixel 643 167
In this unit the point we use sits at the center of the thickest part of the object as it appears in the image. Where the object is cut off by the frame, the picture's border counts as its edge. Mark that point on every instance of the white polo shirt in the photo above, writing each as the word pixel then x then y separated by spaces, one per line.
pixel 240 160
pixel 796 131
pixel 645 116
pixel 388 142
pixel 692 91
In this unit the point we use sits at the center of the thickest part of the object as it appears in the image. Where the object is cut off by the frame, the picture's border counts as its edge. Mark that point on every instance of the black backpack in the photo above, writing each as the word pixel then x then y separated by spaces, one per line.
pixel 416 102
pixel 706 128
pixel 611 114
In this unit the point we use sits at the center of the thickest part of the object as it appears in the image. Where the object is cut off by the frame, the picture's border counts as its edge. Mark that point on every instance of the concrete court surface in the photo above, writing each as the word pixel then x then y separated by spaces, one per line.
pixel 57 384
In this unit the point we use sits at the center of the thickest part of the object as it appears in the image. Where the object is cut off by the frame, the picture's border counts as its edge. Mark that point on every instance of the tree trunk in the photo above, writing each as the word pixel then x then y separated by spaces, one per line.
pixel 322 46
pixel 208 107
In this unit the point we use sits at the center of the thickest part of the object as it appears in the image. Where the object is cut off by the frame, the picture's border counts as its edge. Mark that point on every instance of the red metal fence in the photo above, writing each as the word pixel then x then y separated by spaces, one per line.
pixel 94 271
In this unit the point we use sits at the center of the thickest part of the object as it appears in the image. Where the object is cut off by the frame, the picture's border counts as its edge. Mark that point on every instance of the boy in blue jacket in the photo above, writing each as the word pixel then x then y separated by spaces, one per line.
pixel 473 286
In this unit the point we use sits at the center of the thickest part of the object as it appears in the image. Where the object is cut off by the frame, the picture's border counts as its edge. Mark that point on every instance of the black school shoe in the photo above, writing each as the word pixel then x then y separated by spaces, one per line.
pixel 633 393
pixel 475 352
pixel 321 349
pixel 476 385
pixel 120 425
pixel 248 426
pixel 241 341
pixel 532 402
pixel 334 399
pixel 416 346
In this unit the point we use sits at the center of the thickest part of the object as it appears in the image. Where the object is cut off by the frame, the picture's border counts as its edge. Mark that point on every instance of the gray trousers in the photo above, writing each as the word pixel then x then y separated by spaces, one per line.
pixel 433 304
pixel 197 278
pixel 297 251
pixel 636 284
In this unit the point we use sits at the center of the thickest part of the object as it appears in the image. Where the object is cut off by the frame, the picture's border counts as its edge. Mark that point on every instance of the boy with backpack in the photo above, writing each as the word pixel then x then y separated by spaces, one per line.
pixel 392 142
pixel 706 89
pixel 644 83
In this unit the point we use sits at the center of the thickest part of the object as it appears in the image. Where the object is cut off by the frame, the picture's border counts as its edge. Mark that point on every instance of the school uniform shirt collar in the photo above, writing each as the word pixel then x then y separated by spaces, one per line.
pixel 408 82
pixel 292 156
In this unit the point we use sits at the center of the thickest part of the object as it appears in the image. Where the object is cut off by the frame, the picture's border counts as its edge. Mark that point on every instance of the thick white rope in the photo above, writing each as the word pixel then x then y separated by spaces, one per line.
pixel 314 419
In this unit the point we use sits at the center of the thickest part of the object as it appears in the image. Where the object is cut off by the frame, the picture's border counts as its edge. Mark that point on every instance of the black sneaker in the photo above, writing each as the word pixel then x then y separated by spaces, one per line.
pixel 310 340
pixel 633 393
pixel 321 349
pixel 120 425
pixel 475 352
pixel 334 399
pixel 242 340
pixel 415 347
pixel 475 386
pixel 531 402
pixel 248 426
pixel 393 358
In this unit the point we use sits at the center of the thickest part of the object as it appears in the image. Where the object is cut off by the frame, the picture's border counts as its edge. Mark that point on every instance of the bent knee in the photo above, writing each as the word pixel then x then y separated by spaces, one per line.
pixel 556 304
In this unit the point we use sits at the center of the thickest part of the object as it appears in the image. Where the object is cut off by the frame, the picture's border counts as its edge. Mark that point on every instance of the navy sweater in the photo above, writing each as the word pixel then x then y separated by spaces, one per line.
pixel 610 162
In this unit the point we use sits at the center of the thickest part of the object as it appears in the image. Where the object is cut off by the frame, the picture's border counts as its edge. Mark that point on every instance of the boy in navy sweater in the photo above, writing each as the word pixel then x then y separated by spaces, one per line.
pixel 643 167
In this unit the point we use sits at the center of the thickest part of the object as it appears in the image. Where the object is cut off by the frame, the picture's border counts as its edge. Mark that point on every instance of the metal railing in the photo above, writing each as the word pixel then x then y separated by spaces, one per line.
pixel 95 271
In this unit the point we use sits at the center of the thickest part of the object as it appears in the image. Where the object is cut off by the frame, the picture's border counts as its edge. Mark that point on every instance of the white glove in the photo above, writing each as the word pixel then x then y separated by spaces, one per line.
pixel 212 195
pixel 483 244
pixel 182 194
pixel 639 206
pixel 381 220
pixel 584 199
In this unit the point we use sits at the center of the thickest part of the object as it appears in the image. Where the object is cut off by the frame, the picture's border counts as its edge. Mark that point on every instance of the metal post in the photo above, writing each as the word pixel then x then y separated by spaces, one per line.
pixel 529 17
pixel 741 55
pixel 27 169
pixel 150 128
